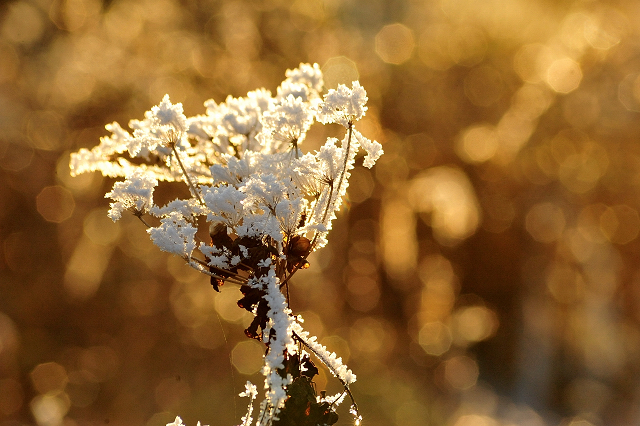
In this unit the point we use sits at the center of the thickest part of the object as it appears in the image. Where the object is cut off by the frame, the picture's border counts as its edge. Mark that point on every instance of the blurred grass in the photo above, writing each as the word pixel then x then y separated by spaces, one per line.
pixel 485 271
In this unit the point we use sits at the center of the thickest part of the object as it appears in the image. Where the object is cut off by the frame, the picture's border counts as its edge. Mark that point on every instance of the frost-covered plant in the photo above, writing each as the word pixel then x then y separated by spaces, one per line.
pixel 266 206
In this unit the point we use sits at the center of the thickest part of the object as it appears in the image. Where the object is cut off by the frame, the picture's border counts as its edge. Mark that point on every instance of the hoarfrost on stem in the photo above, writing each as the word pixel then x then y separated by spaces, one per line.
pixel 264 203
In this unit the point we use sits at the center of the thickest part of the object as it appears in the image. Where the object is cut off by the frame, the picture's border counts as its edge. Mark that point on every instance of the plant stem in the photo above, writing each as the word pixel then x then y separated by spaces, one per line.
pixel 192 188
pixel 201 266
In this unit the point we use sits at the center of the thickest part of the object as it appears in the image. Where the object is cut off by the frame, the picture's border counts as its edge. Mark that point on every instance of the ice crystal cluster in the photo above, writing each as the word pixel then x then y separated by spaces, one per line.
pixel 262 204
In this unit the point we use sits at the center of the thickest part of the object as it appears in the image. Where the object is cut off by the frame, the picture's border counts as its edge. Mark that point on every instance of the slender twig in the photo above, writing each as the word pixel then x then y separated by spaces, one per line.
pixel 138 214
pixel 192 188
pixel 287 294
pixel 226 271
pixel 201 266
pixel 246 267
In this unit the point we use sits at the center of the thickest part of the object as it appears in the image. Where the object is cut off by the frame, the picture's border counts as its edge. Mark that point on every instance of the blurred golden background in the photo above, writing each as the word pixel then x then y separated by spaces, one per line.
pixel 484 273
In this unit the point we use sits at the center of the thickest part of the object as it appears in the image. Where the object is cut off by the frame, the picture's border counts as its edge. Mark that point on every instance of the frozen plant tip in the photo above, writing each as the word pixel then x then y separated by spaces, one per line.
pixel 264 204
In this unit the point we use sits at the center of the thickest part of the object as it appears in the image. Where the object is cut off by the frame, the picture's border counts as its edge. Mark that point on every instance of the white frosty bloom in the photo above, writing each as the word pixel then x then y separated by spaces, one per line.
pixel 235 123
pixel 288 213
pixel 100 157
pixel 307 175
pixel 307 74
pixel 164 124
pixel 297 90
pixel 265 191
pixel 225 204
pixel 187 208
pixel 239 116
pixel 304 82
pixel 174 235
pixel 168 114
pixel 109 158
pixel 134 193
pixel 343 105
pixel 286 124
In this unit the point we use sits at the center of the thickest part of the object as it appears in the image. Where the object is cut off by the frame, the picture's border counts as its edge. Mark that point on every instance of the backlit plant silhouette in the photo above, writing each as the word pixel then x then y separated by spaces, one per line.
pixel 262 204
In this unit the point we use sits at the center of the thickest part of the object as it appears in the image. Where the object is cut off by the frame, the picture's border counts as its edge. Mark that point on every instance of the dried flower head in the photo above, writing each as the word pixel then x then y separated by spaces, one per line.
pixel 266 204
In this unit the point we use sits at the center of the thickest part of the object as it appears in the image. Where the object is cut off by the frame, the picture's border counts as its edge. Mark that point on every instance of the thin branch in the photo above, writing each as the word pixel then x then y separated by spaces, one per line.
pixel 138 214
pixel 287 294
pixel 192 188
pixel 233 274
pixel 201 266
